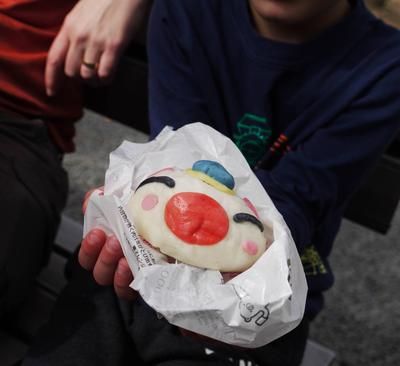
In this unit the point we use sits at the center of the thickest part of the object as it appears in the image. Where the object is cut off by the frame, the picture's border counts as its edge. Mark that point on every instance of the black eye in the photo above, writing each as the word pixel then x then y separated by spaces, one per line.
pixel 245 217
pixel 168 181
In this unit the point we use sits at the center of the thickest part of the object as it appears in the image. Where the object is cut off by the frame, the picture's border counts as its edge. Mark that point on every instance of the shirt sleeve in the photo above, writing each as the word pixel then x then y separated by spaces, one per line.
pixel 174 98
pixel 320 175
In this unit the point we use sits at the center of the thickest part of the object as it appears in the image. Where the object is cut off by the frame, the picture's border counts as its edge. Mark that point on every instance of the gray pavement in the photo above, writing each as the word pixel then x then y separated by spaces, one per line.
pixel 361 320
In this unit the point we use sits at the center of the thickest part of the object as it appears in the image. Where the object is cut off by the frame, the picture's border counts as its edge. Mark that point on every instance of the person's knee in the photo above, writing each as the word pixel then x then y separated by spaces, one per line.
pixel 24 231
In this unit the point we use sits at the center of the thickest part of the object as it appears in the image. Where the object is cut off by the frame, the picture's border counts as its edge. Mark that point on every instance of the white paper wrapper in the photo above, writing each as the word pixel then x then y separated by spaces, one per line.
pixel 252 309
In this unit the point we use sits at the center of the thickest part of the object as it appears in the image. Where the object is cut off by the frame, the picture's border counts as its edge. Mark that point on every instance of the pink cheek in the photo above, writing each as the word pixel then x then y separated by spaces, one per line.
pixel 149 202
pixel 250 247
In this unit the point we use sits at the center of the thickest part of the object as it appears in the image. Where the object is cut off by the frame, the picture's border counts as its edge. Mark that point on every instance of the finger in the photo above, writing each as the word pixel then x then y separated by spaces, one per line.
pixel 107 262
pixel 91 57
pixel 91 247
pixel 108 62
pixel 55 63
pixel 74 59
pixel 88 193
pixel 122 279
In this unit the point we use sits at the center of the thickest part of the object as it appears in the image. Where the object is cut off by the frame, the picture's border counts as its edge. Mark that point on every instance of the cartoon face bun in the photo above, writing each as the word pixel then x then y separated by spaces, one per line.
pixel 197 218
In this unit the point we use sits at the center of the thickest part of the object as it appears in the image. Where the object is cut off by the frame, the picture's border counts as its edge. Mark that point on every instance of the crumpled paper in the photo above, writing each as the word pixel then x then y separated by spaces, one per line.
pixel 250 310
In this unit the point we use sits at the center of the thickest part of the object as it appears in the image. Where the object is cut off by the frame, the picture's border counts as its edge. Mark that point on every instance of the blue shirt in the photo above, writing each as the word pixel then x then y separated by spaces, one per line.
pixel 310 118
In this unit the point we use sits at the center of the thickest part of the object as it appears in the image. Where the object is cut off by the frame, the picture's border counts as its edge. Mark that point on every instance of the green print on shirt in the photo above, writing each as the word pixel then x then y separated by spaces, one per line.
pixel 252 137
pixel 312 262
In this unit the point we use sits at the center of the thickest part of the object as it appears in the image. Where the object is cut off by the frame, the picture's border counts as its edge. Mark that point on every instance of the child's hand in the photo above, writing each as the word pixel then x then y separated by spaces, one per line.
pixel 103 256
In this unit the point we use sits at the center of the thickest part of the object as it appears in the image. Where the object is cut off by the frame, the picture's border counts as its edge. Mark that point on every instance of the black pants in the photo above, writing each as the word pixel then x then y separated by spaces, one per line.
pixel 33 191
pixel 90 326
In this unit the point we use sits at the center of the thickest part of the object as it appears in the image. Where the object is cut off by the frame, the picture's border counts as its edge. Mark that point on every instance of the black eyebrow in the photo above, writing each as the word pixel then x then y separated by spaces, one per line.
pixel 245 217
pixel 168 181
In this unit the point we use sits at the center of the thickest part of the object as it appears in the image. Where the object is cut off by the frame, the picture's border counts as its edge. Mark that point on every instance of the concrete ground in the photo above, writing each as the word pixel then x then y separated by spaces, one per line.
pixel 361 320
